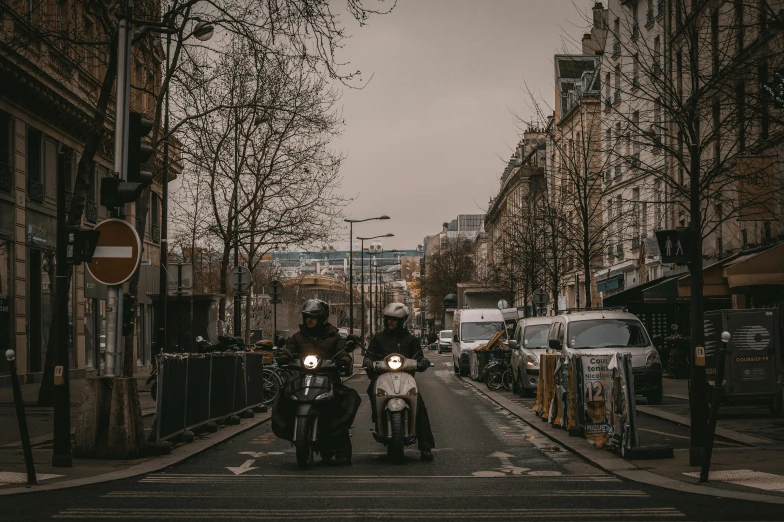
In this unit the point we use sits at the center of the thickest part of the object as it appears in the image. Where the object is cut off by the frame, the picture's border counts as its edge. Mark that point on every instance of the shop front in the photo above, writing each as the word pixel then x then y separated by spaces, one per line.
pixel 6 281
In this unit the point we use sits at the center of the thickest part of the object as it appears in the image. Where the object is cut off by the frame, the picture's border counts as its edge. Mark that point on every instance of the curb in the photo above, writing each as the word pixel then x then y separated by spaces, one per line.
pixel 735 436
pixel 153 464
pixel 613 464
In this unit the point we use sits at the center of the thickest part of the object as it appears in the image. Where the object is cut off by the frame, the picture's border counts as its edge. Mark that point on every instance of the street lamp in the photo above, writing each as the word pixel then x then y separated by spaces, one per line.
pixel 373 281
pixel 203 31
pixel 362 250
pixel 351 266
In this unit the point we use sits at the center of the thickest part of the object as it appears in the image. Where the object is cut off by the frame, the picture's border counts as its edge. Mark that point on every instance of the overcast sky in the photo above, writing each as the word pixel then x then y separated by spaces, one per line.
pixel 430 135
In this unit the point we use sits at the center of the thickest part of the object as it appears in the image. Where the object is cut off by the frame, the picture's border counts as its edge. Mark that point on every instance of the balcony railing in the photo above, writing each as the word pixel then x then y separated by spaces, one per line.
pixel 90 211
pixel 617 96
pixel 616 48
pixel 617 171
pixel 6 178
pixel 35 190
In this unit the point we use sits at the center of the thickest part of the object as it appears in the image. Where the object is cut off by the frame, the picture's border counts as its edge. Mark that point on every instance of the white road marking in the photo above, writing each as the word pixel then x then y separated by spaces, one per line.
pixel 259 454
pixel 120 252
pixel 379 493
pixel 245 467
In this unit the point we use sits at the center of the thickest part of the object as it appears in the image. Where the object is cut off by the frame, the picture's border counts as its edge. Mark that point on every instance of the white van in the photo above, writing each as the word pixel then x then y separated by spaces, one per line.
pixel 471 328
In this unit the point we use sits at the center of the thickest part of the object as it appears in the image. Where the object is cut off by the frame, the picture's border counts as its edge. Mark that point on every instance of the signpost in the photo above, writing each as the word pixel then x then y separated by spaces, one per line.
pixel 240 279
pixel 116 258
pixel 277 291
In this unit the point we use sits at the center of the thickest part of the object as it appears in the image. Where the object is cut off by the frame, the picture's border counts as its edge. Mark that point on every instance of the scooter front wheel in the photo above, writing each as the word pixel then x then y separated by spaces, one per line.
pixel 395 449
pixel 302 445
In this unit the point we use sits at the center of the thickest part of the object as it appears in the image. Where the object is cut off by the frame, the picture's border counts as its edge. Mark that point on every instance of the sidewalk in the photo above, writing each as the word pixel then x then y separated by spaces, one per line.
pixel 751 470
pixel 39 420
pixel 85 471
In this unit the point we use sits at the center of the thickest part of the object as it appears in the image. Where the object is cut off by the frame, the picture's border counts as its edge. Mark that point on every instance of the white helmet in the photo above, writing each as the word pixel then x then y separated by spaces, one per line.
pixel 397 311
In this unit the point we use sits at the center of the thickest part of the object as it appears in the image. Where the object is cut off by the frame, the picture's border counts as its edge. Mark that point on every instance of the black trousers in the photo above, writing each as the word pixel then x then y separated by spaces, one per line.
pixel 424 432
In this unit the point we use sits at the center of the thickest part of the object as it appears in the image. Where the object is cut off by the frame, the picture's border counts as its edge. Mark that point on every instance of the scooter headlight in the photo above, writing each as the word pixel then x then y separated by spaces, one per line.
pixel 395 362
pixel 310 362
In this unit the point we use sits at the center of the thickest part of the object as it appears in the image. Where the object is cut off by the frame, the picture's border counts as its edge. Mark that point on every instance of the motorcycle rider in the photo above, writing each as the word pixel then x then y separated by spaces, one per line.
pixel 395 338
pixel 318 337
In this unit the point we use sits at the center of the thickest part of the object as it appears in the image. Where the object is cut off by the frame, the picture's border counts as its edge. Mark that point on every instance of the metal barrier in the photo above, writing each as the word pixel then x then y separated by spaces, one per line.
pixel 194 389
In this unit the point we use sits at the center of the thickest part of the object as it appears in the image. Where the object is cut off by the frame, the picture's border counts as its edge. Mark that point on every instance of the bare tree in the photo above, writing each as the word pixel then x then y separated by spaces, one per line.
pixel 451 264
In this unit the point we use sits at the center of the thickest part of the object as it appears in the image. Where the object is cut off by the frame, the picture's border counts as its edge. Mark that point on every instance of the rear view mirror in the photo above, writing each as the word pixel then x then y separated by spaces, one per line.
pixel 555 344
pixel 513 344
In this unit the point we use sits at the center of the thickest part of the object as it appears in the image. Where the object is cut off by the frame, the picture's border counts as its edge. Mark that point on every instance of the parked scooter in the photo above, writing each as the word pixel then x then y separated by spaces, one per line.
pixel 396 395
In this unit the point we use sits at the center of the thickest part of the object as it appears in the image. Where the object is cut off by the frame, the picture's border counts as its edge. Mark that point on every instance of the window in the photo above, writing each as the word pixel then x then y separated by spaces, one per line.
pixel 679 74
pixel 762 75
pixel 33 152
pixel 636 71
pixel 635 131
pixel 766 227
pixel 481 331
pixel 535 336
pixel 607 333
pixel 740 100
pixel 740 25
pixel 681 173
pixel 715 39
pixel 744 234
pixel 762 10
pixel 644 214
pixel 50 168
pixel 716 132
pixel 659 212
pixel 6 152
pixel 607 86
pixel 636 212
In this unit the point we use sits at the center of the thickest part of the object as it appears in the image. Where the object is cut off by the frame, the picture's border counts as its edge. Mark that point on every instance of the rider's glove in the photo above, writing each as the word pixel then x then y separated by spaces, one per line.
pixel 423 365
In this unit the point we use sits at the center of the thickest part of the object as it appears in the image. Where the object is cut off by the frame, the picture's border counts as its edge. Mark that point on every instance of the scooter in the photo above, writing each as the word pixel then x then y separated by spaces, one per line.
pixel 312 391
pixel 396 395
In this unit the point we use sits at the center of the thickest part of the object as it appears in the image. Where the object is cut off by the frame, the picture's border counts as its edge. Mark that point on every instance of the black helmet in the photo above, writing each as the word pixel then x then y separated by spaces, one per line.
pixel 397 311
pixel 316 308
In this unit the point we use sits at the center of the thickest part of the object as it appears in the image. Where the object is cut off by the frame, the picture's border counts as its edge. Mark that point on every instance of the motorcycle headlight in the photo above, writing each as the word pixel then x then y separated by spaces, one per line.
pixel 396 404
pixel 310 362
pixel 381 393
pixel 395 362
pixel 530 359
pixel 325 395
pixel 412 391
pixel 652 358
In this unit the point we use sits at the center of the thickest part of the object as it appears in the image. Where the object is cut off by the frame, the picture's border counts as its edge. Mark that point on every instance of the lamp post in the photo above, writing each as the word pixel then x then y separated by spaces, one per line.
pixel 202 31
pixel 362 297
pixel 351 266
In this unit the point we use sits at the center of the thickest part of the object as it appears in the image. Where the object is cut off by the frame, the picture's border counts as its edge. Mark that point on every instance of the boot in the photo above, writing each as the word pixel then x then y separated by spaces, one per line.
pixel 427 455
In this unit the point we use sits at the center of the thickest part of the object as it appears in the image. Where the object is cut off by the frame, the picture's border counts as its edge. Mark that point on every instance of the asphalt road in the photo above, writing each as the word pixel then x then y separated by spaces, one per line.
pixel 488 465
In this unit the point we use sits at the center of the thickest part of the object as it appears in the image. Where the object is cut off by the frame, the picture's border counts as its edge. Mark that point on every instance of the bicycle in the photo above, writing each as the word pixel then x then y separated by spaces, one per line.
pixel 498 373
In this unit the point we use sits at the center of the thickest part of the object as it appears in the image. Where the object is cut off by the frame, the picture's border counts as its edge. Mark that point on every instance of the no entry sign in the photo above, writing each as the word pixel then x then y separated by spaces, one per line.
pixel 117 254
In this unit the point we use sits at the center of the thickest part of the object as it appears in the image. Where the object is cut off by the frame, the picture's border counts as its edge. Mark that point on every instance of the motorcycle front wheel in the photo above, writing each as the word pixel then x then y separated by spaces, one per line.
pixel 302 445
pixel 395 449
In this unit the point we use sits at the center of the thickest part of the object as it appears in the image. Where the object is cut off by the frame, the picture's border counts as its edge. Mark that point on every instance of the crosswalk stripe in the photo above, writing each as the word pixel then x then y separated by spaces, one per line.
pixel 419 513
pixel 372 494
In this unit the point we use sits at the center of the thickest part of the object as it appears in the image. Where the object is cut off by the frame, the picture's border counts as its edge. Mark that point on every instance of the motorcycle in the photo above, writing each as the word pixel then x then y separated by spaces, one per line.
pixel 312 389
pixel 396 394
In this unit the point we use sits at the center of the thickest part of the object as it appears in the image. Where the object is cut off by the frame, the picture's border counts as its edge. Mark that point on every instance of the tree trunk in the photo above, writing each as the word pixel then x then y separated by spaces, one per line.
pixel 84 176
pixel 248 301
pixel 224 284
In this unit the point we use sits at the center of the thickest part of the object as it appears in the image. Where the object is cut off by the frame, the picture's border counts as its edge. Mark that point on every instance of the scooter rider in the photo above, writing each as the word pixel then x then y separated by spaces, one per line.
pixel 318 337
pixel 395 338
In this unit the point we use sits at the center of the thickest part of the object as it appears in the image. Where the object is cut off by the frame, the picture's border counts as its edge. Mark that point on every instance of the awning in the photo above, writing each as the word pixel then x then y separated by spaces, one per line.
pixel 611 283
pixel 665 290
pixel 713 280
pixel 764 268
pixel 633 294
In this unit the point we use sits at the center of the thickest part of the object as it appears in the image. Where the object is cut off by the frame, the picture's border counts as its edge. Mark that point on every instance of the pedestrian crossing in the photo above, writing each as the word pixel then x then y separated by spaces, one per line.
pixel 259 513
pixel 421 493
pixel 363 479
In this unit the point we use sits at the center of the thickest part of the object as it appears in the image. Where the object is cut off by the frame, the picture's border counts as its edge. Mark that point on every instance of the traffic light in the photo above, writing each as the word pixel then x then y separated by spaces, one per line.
pixel 138 153
pixel 128 312
pixel 81 245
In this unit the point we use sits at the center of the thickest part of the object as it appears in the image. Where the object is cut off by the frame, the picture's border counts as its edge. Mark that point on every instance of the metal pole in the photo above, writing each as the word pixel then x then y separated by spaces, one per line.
pixel 163 285
pixel 370 288
pixel 351 277
pixel 111 331
pixel 697 395
pixel 718 390
pixel 577 290
pixel 21 419
pixel 61 451
pixel 237 319
pixel 362 297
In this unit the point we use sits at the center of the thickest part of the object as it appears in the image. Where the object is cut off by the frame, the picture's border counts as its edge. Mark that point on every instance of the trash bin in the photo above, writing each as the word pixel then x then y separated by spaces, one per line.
pixel 483 357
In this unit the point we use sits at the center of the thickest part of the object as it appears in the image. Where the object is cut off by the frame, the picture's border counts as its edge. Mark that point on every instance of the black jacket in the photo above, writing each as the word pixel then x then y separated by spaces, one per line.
pixel 328 345
pixel 398 341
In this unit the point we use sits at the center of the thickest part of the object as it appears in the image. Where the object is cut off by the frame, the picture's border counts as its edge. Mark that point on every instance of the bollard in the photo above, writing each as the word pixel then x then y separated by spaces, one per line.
pixel 714 411
pixel 21 419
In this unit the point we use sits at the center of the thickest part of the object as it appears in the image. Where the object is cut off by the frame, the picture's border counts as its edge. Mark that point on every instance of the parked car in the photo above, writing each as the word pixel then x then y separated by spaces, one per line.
pixel 603 332
pixel 445 341
pixel 529 343
pixel 471 328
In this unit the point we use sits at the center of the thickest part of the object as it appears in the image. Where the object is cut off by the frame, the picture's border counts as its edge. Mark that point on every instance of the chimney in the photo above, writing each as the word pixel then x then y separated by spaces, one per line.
pixel 588 47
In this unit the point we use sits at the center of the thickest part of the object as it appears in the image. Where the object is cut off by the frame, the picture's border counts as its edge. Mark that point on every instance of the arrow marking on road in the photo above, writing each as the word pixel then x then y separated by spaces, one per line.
pixel 504 457
pixel 246 466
